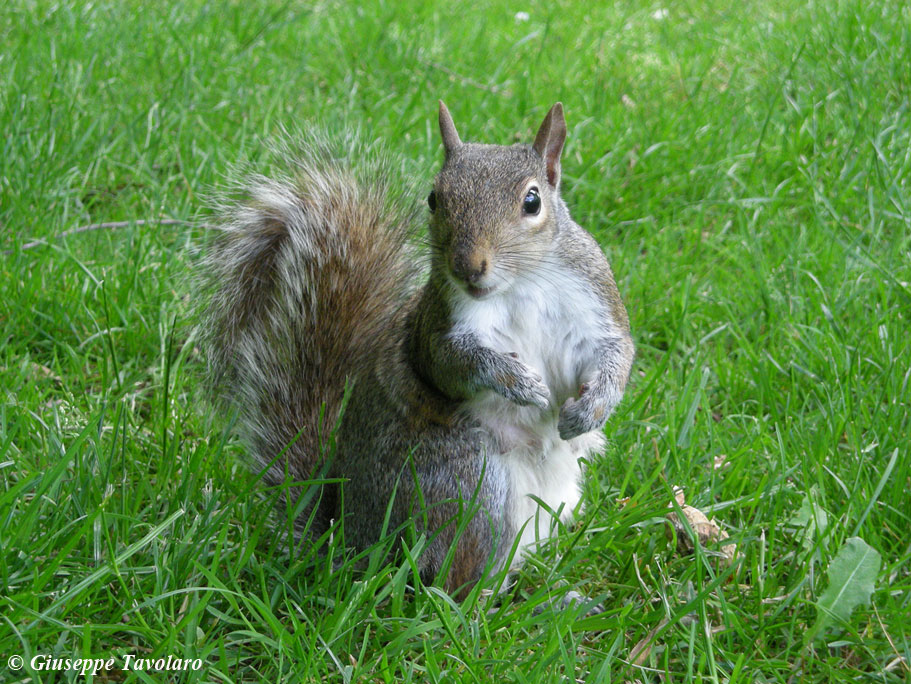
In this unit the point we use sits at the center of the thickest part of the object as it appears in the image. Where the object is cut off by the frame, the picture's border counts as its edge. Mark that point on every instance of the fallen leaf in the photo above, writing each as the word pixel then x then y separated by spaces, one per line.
pixel 707 531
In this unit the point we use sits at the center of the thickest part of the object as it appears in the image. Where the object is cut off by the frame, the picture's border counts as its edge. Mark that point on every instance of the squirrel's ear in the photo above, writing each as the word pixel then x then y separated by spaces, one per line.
pixel 448 130
pixel 549 142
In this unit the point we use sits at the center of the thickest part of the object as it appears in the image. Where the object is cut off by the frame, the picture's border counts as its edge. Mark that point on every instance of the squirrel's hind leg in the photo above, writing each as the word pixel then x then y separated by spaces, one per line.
pixel 466 515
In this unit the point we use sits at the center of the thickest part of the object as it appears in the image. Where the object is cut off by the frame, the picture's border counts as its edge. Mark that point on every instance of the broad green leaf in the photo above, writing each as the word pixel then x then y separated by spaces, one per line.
pixel 852 575
pixel 810 521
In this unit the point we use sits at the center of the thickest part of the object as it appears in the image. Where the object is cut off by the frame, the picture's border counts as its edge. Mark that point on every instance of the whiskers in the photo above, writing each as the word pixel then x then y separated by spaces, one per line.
pixel 538 267
pixel 533 264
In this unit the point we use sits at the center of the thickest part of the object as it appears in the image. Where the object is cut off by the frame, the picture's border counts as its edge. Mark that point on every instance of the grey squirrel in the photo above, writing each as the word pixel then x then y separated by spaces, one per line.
pixel 474 387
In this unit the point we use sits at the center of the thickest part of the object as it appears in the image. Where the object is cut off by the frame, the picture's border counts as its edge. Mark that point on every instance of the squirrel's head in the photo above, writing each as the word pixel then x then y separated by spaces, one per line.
pixel 494 209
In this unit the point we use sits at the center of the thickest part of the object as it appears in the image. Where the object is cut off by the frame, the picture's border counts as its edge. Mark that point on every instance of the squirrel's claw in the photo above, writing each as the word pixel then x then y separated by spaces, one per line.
pixel 540 396
pixel 569 601
pixel 582 415
pixel 523 385
pixel 530 390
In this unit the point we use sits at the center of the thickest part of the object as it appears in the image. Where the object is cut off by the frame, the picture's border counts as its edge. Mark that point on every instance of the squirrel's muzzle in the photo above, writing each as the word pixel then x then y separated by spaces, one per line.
pixel 471 267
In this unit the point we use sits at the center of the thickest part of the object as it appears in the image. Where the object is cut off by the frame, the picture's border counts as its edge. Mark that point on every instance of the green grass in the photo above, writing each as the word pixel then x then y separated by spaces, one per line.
pixel 747 168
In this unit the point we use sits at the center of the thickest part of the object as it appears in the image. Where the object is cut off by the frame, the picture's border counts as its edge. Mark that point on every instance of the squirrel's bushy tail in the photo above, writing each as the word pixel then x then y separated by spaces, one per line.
pixel 304 279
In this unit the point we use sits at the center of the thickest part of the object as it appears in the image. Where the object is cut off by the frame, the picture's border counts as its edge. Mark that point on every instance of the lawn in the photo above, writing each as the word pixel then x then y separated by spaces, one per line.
pixel 747 169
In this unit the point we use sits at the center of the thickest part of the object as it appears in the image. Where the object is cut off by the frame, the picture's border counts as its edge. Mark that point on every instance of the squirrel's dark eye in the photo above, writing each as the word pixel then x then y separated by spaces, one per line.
pixel 432 201
pixel 531 205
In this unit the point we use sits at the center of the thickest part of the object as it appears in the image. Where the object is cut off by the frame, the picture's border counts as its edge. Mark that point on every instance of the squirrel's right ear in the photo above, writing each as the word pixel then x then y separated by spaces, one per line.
pixel 549 142
pixel 448 130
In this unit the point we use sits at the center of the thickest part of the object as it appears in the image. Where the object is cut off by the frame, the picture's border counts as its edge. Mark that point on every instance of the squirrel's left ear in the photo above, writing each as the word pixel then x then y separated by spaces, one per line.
pixel 549 142
pixel 448 130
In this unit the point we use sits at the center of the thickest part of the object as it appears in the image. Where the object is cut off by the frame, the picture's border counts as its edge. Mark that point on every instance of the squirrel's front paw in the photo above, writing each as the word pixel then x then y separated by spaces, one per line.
pixel 578 416
pixel 521 383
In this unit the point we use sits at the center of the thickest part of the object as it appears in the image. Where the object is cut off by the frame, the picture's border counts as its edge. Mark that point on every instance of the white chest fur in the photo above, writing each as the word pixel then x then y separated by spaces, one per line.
pixel 552 324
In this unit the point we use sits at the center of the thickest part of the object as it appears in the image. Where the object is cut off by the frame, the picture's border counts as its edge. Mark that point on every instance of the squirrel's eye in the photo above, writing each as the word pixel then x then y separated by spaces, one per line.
pixel 531 205
pixel 432 201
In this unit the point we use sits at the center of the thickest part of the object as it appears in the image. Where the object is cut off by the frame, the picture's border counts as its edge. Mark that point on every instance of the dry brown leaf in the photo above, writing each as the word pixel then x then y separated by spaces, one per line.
pixel 641 650
pixel 708 531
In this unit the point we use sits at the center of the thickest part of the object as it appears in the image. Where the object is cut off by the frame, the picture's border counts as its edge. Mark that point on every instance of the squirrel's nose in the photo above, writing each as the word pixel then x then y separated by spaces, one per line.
pixel 469 268
pixel 476 274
